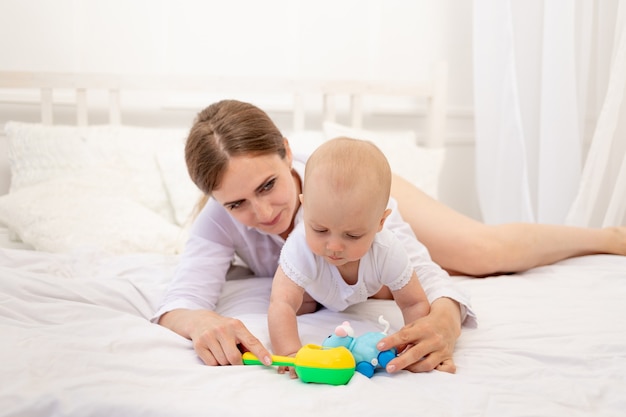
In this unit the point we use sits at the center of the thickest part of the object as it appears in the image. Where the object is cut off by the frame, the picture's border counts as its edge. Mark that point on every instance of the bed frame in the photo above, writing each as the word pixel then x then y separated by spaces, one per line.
pixel 432 92
pixel 76 335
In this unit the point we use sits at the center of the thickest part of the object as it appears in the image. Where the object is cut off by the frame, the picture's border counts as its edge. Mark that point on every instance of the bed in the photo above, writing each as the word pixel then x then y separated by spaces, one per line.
pixel 95 217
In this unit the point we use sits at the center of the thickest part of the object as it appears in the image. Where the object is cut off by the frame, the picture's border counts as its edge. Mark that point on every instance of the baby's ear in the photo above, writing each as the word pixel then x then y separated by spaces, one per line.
pixel 386 214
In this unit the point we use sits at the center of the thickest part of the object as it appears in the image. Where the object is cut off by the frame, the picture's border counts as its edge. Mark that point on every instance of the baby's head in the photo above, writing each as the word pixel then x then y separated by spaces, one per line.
pixel 345 166
pixel 346 184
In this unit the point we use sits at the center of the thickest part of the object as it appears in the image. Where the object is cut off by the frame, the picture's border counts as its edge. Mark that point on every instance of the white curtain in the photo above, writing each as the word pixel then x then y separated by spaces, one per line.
pixel 538 66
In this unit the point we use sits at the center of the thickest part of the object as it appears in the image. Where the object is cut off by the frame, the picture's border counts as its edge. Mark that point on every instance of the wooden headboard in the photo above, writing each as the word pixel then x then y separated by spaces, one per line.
pixel 47 85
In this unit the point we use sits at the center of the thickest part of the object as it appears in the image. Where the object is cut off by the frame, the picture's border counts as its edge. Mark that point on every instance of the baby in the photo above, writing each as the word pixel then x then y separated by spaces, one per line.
pixel 340 254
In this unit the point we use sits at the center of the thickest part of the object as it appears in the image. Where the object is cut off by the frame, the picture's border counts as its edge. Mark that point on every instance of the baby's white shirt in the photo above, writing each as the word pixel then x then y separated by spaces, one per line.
pixel 386 263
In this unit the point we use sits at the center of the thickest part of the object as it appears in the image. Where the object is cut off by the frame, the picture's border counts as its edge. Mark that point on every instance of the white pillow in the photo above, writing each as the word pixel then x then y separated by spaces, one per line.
pixel 69 214
pixel 304 142
pixel 38 153
pixel 183 194
pixel 419 165
pixel 133 150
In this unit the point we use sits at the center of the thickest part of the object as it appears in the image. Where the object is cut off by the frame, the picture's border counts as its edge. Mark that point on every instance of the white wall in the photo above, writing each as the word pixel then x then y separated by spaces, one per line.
pixel 367 39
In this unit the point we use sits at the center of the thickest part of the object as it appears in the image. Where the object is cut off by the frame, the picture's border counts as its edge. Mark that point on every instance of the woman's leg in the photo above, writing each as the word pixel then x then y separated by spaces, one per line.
pixel 464 246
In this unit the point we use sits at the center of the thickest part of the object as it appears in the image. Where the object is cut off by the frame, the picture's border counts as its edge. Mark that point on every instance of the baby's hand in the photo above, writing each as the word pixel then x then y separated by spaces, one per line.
pixel 290 369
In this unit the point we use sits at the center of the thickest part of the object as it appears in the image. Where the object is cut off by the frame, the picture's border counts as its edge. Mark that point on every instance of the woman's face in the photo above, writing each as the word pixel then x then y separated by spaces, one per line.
pixel 261 192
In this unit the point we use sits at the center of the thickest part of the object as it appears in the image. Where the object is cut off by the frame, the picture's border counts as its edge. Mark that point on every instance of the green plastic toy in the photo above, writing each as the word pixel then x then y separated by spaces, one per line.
pixel 316 364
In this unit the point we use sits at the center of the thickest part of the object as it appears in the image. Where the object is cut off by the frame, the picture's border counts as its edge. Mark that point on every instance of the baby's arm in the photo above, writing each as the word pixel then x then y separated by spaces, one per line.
pixel 285 300
pixel 412 300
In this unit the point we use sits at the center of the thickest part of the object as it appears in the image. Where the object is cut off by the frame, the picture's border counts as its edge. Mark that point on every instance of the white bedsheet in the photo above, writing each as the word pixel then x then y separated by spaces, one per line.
pixel 76 341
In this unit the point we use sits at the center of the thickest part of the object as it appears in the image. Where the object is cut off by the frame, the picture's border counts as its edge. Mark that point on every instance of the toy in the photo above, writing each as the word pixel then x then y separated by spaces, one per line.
pixel 363 348
pixel 314 363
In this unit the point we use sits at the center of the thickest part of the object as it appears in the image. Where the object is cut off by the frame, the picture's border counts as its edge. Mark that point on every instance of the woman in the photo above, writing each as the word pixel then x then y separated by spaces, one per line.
pixel 238 156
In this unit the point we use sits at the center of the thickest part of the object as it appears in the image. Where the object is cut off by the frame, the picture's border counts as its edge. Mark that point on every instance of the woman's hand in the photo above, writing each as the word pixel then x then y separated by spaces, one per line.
pixel 428 342
pixel 216 339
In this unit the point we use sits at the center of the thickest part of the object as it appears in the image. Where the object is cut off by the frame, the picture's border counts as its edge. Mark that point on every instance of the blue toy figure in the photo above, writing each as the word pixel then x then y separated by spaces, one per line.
pixel 363 348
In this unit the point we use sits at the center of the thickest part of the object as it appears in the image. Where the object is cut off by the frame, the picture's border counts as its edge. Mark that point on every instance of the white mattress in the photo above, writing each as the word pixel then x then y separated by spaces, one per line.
pixel 76 341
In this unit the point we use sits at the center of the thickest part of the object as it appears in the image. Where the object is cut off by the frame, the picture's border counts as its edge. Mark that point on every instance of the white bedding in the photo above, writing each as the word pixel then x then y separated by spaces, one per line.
pixel 76 341
pixel 75 336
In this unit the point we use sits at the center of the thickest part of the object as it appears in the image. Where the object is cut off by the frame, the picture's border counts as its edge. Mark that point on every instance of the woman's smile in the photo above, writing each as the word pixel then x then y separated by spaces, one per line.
pixel 273 222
